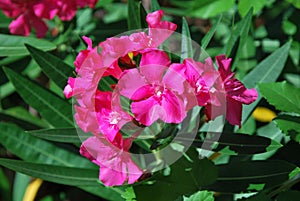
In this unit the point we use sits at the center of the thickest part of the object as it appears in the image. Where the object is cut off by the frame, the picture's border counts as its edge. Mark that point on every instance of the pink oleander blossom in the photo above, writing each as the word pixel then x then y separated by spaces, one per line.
pixel 156 91
pixel 110 114
pixel 236 94
pixel 114 160
pixel 32 13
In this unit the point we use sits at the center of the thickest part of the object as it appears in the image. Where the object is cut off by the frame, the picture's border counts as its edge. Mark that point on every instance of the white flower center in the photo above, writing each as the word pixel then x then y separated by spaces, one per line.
pixel 114 118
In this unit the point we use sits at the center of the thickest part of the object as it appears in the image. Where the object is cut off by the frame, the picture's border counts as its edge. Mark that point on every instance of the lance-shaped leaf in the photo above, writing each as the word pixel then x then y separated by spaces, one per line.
pixel 208 36
pixel 236 144
pixel 14 45
pixel 186 41
pixel 289 125
pixel 55 110
pixel 67 135
pixel 251 176
pixel 200 195
pixel 134 18
pixel 186 177
pixel 56 69
pixel 266 71
pixel 32 149
pixel 282 95
pixel 58 174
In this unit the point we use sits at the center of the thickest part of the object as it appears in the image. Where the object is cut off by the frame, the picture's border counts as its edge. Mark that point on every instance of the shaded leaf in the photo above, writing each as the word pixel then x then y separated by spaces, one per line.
pixel 288 195
pixel 154 5
pixel 186 177
pixel 56 69
pixel 14 45
pixel 251 176
pixel 282 95
pixel 134 19
pixel 55 110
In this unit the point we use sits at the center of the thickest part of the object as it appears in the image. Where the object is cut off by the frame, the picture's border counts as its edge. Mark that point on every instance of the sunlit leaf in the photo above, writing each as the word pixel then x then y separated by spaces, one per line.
pixel 14 45
pixel 290 125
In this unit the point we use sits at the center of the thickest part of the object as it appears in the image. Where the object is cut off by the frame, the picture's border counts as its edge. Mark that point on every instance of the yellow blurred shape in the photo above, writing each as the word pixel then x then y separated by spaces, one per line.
pixel 263 114
pixel 32 190
pixel 130 54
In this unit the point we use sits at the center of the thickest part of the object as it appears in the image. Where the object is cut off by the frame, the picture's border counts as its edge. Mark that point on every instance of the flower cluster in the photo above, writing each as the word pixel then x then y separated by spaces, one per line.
pixel 32 13
pixel 157 89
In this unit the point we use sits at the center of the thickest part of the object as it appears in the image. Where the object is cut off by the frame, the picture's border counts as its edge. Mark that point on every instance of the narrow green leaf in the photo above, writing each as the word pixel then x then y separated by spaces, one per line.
pixel 290 125
pixel 186 177
pixel 56 69
pixel 251 176
pixel 55 110
pixel 266 71
pixel 21 182
pixel 241 30
pixel 14 45
pixel 36 150
pixel 143 15
pixel 154 5
pixel 186 41
pixel 67 135
pixel 4 186
pixel 208 36
pixel 133 20
pixel 20 122
pixel 59 174
pixel 282 95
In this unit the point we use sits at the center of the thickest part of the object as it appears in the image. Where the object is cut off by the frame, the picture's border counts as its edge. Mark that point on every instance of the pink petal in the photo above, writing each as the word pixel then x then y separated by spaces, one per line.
pixel 39 26
pixel 130 82
pixel 234 112
pixel 20 26
pixel 224 66
pixel 174 81
pixel 174 110
pixel 147 111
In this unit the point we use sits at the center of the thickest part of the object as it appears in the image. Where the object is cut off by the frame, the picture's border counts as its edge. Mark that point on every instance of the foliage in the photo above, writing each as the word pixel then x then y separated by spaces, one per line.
pixel 258 161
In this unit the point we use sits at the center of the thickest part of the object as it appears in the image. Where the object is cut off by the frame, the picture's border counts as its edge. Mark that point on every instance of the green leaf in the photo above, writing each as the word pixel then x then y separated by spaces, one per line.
pixel 207 8
pixel 53 67
pixel 208 36
pixel 289 28
pixel 67 135
pixel 21 182
pixel 290 125
pixel 4 186
pixel 245 5
pixel 200 195
pixel 36 150
pixel 186 41
pixel 266 71
pixel 241 30
pixel 236 144
pixel 282 95
pixel 296 3
pixel 133 20
pixel 186 177
pixel 14 45
pixel 59 174
pixel 251 176
pixel 154 5
pixel 129 194
pixel 257 197
pixel 55 110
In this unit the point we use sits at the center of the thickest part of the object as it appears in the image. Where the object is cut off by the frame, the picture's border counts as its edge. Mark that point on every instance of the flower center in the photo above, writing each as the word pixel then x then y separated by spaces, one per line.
pixel 114 118
pixel 158 90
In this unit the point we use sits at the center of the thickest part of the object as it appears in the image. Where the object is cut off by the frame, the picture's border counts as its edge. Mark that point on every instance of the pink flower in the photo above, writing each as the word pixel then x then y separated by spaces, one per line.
pixel 236 94
pixel 116 164
pixel 157 92
pixel 32 13
pixel 110 114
